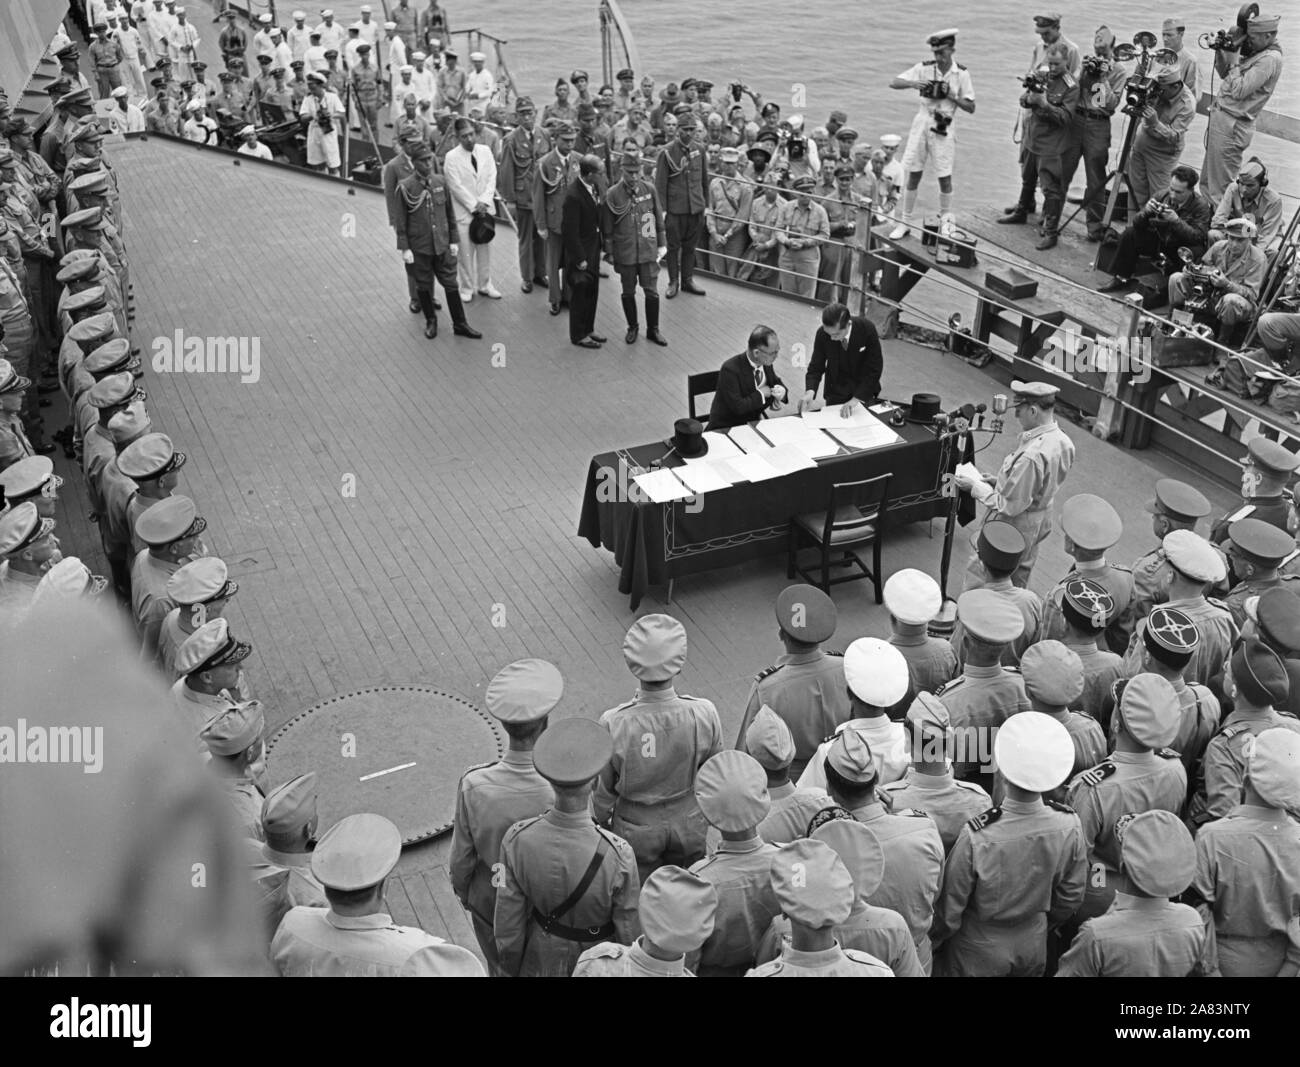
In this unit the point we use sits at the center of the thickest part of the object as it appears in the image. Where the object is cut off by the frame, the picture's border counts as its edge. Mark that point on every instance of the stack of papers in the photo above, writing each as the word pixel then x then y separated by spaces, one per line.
pixel 661 486
pixel 746 438
pixel 703 476
pixel 748 468
pixel 829 418
pixel 876 435
pixel 720 447
pixel 799 434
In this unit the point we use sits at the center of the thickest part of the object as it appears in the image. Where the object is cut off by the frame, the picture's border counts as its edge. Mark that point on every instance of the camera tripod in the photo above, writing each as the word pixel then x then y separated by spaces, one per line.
pixel 1112 180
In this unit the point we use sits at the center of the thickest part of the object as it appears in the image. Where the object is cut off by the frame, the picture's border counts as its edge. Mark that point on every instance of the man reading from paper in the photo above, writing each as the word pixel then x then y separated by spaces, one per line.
pixel 846 352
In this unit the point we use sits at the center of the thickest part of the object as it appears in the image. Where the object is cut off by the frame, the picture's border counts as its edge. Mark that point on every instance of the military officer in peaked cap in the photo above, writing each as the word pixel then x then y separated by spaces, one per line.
pixel 234 741
pixel 1266 469
pixel 1191 565
pixel 815 892
pixel 1086 609
pixel 1255 551
pixel 732 792
pixel 492 797
pixel 1145 934
pixel 1054 683
pixel 1091 527
pixel 354 937
pixel 1027 482
pixel 677 912
pixel 991 919
pixel 200 590
pixel 212 679
pixel 69 578
pixel 986 692
pixel 172 531
pixel 28 548
pixel 1247 878
pixel 913 600
pixel 1275 618
pixel 1142 774
pixel 769 741
pixel 929 784
pixel 875 675
pixel 1175 505
pixel 153 463
pixel 805 687
pixel 682 183
pixel 1000 548
pixel 1258 684
pixel 290 821
pixel 566 884
pixel 660 739
pixel 32 479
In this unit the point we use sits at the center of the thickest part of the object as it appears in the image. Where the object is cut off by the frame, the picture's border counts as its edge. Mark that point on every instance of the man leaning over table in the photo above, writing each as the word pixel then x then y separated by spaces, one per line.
pixel 846 355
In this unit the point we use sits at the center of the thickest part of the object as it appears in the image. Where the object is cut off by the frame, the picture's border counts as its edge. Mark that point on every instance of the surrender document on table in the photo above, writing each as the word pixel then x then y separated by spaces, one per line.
pixel 661 486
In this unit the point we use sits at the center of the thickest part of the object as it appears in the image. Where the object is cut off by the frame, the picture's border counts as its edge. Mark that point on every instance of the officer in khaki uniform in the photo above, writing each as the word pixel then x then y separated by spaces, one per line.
pixel 677 912
pixel 913 599
pixel 566 884
pixel 1000 548
pixel 732 792
pixel 1265 470
pixel 632 221
pixel 1248 866
pixel 521 148
pixel 1091 526
pixel 986 693
pixel 769 741
pixel 354 937
pixel 1085 611
pixel 646 792
pixel 1145 934
pixel 32 480
pixel 556 171
pixel 234 739
pixel 879 932
pixel 682 182
pixel 1257 682
pixel 172 529
pixel 1054 683
pixel 28 548
pixel 289 824
pixel 1255 550
pixel 1191 565
pixel 211 679
pixel 992 920
pixel 199 590
pixel 492 797
pixel 1174 506
pixel 805 687
pixel 1275 618
pixel 1027 482
pixel 815 891
pixel 910 839
pixel 153 464
pixel 1142 774
pixel 929 784
pixel 875 674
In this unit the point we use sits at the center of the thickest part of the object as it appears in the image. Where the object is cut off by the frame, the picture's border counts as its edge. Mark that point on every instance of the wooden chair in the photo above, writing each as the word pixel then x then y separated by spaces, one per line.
pixel 700 385
pixel 854 516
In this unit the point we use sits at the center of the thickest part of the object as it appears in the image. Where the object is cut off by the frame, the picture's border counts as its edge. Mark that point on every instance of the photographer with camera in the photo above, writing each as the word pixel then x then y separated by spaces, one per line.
pixel 1048 28
pixel 1249 197
pixel 1236 272
pixel 1101 87
pixel 1050 136
pixel 322 114
pixel 1250 63
pixel 1178 218
pixel 944 86
pixel 1158 139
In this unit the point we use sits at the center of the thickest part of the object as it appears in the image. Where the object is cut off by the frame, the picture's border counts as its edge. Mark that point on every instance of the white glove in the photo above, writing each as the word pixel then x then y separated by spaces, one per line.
pixel 408 256
pixel 454 249
pixel 981 491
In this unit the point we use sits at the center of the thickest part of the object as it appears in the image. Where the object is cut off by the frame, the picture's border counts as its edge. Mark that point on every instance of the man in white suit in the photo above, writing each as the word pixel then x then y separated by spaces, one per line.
pixel 471 175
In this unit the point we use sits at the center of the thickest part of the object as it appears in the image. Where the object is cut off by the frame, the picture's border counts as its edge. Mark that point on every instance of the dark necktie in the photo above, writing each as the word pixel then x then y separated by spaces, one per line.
pixel 758 377
pixel 473 162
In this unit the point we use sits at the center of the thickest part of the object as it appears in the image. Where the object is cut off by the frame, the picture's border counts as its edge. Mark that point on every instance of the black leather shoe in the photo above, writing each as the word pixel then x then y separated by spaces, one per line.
pixel 526 287
pixel 656 337
pixel 1014 218
pixel 464 329
pixel 414 305
pixel 1017 209
pixel 632 332
pixel 587 342
pixel 437 306
pixel 44 403
pixel 47 387
pixel 691 287
pixel 540 280
pixel 431 328
pixel 600 340
pixel 44 448
pixel 672 290
pixel 555 309
pixel 1114 285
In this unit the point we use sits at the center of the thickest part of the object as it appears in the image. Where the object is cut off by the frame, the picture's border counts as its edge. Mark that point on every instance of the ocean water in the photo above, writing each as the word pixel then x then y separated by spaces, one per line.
pixel 843 54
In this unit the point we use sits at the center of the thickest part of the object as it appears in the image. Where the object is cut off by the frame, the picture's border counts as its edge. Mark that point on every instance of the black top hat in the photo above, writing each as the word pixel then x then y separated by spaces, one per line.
pixel 688 438
pixel 923 408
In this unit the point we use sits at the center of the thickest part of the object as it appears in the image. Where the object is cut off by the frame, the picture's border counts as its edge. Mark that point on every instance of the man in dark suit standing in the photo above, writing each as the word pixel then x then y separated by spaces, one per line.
pixel 846 354
pixel 747 384
pixel 582 245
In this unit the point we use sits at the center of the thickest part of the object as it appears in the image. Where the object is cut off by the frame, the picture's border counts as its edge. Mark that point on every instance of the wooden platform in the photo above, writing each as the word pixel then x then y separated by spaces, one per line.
pixel 424 899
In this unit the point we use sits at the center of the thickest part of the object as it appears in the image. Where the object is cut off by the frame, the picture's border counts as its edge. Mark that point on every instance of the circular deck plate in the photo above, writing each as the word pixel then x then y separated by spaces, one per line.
pixel 398 751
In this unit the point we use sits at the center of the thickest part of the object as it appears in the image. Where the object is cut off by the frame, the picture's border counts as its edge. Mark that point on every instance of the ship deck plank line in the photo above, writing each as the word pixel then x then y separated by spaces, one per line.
pixel 468 475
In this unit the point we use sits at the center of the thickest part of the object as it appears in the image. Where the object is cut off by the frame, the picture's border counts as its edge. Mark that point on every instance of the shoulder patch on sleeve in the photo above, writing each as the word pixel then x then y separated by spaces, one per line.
pixel 983 819
pixel 1094 776
pixel 1168 753
pixel 828 652
pixel 1229 732
pixel 950 685
pixel 1056 805
pixel 768 672
pixel 915 813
